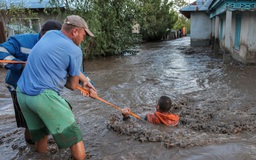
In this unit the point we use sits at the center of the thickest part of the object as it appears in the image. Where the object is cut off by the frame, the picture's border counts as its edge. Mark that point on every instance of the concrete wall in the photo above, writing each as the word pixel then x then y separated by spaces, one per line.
pixel 248 37
pixel 43 17
pixel 247 49
pixel 227 36
pixel 200 27
pixel 215 34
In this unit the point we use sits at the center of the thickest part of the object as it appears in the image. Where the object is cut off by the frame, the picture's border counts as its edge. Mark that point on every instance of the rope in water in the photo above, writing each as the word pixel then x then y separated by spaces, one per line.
pixel 86 91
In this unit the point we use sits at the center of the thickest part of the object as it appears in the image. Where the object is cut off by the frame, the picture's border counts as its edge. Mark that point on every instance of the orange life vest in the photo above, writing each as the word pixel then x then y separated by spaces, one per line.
pixel 164 118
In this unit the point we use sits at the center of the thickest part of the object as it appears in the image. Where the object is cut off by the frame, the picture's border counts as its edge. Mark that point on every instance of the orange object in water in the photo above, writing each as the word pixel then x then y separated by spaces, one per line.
pixel 84 90
pixel 164 118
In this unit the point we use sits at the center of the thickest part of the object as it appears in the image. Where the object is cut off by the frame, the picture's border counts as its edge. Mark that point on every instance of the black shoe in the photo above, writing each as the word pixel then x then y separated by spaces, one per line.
pixel 29 141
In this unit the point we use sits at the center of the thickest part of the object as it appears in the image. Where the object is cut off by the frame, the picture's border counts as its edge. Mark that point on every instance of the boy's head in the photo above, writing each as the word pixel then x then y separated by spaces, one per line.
pixel 164 104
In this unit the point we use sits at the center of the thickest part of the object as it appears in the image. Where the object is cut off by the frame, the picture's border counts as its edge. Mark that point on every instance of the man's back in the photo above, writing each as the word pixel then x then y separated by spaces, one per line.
pixel 47 67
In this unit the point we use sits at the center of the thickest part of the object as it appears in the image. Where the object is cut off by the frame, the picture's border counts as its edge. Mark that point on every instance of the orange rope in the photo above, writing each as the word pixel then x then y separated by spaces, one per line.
pixel 78 87
pixel 14 62
pixel 84 90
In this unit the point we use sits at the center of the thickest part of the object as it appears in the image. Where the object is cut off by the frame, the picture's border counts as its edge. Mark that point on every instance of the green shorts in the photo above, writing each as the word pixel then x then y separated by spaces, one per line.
pixel 49 113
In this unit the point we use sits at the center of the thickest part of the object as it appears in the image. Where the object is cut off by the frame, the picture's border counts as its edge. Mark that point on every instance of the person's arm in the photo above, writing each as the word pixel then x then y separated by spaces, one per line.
pixel 8 50
pixel 87 85
pixel 86 75
pixel 72 82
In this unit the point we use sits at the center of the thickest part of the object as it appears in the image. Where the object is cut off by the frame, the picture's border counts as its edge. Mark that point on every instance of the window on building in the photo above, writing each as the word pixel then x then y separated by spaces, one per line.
pixel 21 26
pixel 221 28
pixel 238 31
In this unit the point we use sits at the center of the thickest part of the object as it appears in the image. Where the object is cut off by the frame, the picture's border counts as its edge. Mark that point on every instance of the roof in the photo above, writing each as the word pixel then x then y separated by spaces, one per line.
pixel 199 5
pixel 221 6
pixel 217 7
pixel 31 4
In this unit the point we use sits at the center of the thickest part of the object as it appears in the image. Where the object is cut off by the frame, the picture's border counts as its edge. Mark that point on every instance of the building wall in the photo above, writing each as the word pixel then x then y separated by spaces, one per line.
pixel 200 27
pixel 248 41
pixel 247 49
pixel 43 17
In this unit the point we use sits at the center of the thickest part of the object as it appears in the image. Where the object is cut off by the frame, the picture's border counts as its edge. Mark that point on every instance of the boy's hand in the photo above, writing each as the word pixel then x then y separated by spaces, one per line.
pixel 125 111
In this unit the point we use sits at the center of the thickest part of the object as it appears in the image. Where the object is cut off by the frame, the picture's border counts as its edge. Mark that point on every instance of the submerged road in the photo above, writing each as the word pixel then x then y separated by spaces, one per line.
pixel 215 101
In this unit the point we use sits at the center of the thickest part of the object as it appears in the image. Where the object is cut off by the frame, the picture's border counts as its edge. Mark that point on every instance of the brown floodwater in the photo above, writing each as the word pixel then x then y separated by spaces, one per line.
pixel 215 101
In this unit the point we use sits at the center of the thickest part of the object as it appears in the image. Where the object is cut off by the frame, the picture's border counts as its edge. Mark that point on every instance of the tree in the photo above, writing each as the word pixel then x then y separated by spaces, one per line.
pixel 110 20
pixel 156 17
pixel 178 4
pixel 181 21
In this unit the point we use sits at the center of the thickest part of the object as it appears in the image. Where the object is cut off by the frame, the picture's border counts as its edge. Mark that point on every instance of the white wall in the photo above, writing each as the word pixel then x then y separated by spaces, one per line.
pixel 247 49
pixel 200 29
pixel 227 31
pixel 251 38
pixel 200 25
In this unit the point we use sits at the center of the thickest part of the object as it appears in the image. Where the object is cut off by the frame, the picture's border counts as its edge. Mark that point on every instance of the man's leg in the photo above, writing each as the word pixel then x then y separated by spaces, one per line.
pixel 78 151
pixel 41 145
pixel 20 120
pixel 27 136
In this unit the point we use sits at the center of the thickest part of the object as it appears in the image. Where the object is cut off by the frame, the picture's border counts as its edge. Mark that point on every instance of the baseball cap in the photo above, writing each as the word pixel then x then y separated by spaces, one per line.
pixel 78 21
pixel 51 25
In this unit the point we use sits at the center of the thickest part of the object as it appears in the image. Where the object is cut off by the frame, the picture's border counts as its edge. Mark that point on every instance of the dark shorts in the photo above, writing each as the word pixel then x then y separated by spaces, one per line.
pixel 20 120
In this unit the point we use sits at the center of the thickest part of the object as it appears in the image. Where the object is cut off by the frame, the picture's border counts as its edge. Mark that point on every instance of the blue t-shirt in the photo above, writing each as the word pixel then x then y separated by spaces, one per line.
pixel 51 60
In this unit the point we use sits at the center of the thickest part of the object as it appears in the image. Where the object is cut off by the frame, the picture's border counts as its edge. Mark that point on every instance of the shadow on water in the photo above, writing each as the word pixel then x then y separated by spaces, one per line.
pixel 215 102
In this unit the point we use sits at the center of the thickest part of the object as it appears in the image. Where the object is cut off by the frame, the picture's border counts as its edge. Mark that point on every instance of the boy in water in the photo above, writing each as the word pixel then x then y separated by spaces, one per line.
pixel 162 114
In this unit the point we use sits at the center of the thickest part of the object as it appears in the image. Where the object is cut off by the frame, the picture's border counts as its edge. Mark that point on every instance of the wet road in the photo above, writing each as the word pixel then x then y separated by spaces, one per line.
pixel 216 103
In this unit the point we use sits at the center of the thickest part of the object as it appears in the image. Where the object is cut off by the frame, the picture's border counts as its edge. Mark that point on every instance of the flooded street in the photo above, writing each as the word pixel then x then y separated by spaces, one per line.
pixel 215 101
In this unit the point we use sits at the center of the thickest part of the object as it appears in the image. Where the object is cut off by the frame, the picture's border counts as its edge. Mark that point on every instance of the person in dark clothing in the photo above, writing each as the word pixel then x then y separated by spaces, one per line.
pixel 17 48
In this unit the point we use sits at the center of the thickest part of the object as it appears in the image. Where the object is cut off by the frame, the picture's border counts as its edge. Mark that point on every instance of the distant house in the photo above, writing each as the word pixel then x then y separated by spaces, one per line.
pixel 200 22
pixel 230 26
pixel 28 24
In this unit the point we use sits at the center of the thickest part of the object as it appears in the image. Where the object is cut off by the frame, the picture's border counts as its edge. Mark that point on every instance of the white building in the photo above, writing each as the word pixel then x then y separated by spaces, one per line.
pixel 228 25
pixel 235 28
pixel 200 28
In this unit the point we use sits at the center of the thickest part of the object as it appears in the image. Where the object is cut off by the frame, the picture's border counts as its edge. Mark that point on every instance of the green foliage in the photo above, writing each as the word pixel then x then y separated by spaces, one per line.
pixel 178 4
pixel 182 22
pixel 109 20
pixel 156 17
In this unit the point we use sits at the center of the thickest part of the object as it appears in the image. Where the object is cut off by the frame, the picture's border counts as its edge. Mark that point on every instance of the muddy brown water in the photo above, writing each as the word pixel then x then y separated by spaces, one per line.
pixel 215 101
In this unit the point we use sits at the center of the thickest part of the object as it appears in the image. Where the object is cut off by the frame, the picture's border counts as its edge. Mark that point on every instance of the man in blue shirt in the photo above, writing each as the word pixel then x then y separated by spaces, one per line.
pixel 17 48
pixel 54 63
